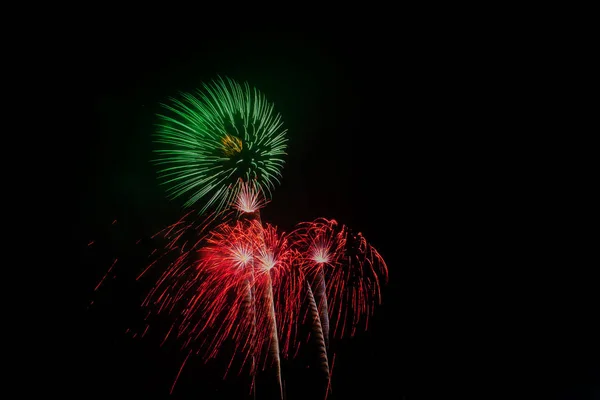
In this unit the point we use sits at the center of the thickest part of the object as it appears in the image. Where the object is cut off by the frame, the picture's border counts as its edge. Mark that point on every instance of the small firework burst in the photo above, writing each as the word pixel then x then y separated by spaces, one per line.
pixel 250 198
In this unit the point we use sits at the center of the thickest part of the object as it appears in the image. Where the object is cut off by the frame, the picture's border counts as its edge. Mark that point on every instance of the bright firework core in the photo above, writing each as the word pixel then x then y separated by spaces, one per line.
pixel 231 145
pixel 245 159
pixel 267 260
pixel 249 198
pixel 320 255
pixel 241 254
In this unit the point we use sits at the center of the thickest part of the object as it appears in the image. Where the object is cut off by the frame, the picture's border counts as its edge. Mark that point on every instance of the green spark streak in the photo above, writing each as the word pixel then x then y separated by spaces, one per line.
pixel 190 156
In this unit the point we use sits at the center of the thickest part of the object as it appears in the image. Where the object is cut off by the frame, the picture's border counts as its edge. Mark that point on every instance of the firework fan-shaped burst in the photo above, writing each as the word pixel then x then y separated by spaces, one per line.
pixel 250 199
pixel 212 140
pixel 354 286
pixel 345 271
pixel 244 283
pixel 320 250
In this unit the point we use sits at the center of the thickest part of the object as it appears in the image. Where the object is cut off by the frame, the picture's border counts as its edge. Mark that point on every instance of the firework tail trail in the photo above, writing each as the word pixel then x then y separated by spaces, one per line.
pixel 274 340
pixel 353 269
pixel 321 322
pixel 251 307
pixel 317 303
pixel 320 296
pixel 321 247
pixel 257 276
pixel 351 266
pixel 319 335
pixel 272 321
pixel 250 217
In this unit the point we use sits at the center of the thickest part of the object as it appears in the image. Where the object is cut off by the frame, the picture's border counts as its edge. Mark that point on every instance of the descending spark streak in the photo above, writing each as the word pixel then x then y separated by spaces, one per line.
pixel 321 250
pixel 249 208
pixel 317 242
pixel 320 295
pixel 272 257
pixel 318 329
pixel 274 339
pixel 266 262
pixel 251 309
pixel 279 292
pixel 105 275
pixel 179 372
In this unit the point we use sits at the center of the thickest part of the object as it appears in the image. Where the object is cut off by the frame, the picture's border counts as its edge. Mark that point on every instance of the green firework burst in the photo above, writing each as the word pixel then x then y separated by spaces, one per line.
pixel 213 140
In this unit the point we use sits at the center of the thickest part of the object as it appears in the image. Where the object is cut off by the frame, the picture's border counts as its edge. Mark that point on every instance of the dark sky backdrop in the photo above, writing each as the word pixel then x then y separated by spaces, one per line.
pixel 372 131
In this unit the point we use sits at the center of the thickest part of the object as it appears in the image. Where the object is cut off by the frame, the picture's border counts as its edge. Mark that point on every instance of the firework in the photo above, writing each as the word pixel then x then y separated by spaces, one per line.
pixel 354 287
pixel 250 198
pixel 341 266
pixel 240 281
pixel 228 276
pixel 214 139
pixel 321 248
pixel 344 269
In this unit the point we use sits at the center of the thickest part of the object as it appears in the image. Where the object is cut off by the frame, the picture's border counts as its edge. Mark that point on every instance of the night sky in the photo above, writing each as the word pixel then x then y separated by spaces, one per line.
pixel 376 141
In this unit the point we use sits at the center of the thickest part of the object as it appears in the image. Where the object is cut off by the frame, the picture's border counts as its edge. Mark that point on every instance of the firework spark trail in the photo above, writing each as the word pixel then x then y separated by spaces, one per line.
pixel 248 203
pixel 269 332
pixel 220 290
pixel 321 294
pixel 213 138
pixel 280 292
pixel 273 336
pixel 250 199
pixel 179 372
pixel 251 309
pixel 274 265
pixel 318 329
pixel 320 249
pixel 105 275
pixel 341 266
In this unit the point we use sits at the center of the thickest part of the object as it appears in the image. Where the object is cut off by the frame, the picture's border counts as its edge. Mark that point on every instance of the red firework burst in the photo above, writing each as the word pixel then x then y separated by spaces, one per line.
pixel 231 277
pixel 345 273
pixel 242 283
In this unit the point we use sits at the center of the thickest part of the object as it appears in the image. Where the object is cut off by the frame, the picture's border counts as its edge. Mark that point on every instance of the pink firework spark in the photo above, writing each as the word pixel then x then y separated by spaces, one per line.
pixel 250 198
